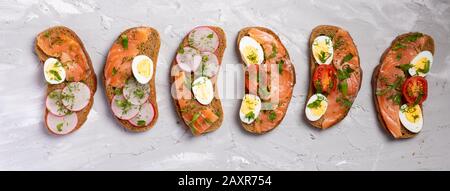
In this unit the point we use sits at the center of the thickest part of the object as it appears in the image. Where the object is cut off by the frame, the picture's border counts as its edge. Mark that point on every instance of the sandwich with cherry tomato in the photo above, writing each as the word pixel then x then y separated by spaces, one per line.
pixel 336 76
pixel 400 86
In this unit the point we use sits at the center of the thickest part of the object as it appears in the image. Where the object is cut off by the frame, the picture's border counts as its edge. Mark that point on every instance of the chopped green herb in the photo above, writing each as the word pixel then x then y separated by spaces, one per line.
pixel 399 56
pixel 124 105
pixel 194 118
pixel 59 127
pixel 250 115
pixel 344 73
pixel 404 67
pixel 418 98
pixel 124 40
pixel 114 71
pixel 210 35
pixel 55 74
pixel 253 57
pixel 139 93
pixel 274 51
pixel 272 115
pixel 47 34
pixel 181 49
pixel 339 42
pixel 398 46
pixel 319 86
pixel 344 102
pixel 347 58
pixel 316 103
pixel 343 87
pixel 413 37
pixel 141 122
pixel 280 66
pixel 396 98
pixel 323 56
pixel 394 86
pixel 117 91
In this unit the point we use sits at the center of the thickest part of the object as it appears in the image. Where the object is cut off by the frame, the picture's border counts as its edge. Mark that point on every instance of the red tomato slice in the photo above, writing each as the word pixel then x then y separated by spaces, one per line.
pixel 324 78
pixel 415 90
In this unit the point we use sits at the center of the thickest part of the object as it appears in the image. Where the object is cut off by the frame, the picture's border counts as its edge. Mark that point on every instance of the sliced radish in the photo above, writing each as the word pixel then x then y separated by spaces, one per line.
pixel 188 59
pixel 76 96
pixel 145 115
pixel 209 65
pixel 135 92
pixel 54 103
pixel 204 39
pixel 62 125
pixel 122 108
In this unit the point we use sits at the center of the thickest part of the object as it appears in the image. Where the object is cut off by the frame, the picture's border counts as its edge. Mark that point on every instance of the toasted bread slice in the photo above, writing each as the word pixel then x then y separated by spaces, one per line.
pixel 149 47
pixel 343 46
pixel 90 80
pixel 268 120
pixel 422 43
pixel 187 114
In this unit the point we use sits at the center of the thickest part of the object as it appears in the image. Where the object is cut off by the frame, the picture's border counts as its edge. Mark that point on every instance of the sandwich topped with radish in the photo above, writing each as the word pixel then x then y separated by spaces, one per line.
pixel 193 77
pixel 129 78
pixel 70 78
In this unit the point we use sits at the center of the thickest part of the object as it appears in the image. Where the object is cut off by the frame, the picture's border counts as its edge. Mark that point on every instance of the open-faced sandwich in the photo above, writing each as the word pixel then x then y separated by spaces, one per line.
pixel 70 77
pixel 193 78
pixel 269 79
pixel 129 78
pixel 399 83
pixel 335 76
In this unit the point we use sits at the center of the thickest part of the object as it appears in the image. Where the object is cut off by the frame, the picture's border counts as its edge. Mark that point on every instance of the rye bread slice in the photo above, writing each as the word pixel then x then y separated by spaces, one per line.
pixel 428 46
pixel 90 81
pixel 215 103
pixel 330 31
pixel 151 49
pixel 243 32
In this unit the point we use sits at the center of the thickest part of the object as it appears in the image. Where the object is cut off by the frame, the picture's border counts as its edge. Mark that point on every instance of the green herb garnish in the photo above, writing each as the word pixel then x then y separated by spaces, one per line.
pixel 274 51
pixel 396 98
pixel 316 103
pixel 210 35
pixel 413 37
pixel 114 71
pixel 280 66
pixel 59 127
pixel 426 69
pixel 398 46
pixel 344 73
pixel 344 101
pixel 139 93
pixel 55 74
pixel 141 122
pixel 347 58
pixel 272 115
pixel 343 87
pixel 124 40
pixel 404 67
pixel 250 115
pixel 194 118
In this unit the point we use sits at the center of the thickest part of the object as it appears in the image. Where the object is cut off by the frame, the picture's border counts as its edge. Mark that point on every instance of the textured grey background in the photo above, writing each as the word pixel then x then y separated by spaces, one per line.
pixel 357 143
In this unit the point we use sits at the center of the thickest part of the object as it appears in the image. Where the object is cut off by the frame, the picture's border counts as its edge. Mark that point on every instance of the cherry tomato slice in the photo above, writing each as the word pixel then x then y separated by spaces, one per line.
pixel 415 90
pixel 324 78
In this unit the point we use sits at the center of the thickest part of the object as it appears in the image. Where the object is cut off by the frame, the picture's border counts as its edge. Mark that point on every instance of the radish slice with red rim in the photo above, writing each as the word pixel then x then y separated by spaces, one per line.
pixel 209 65
pixel 61 124
pixel 145 115
pixel 135 92
pixel 54 103
pixel 204 39
pixel 76 96
pixel 122 108
pixel 188 59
